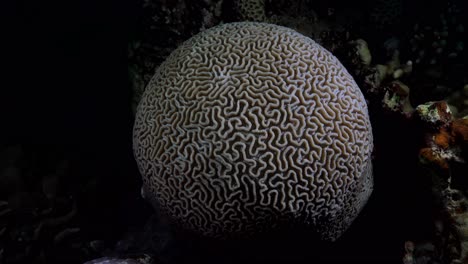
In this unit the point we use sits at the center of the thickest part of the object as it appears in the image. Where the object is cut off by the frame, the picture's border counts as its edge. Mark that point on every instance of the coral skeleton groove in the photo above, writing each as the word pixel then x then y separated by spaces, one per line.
pixel 247 126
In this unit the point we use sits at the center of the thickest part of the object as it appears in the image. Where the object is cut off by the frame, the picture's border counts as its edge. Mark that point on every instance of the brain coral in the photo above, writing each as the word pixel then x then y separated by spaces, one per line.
pixel 250 125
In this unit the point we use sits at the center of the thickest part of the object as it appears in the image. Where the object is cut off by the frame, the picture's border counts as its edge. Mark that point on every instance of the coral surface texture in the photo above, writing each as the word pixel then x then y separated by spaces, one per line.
pixel 248 126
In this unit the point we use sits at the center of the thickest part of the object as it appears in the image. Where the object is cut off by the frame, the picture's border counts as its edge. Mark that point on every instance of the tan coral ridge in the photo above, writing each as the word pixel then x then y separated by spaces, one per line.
pixel 249 125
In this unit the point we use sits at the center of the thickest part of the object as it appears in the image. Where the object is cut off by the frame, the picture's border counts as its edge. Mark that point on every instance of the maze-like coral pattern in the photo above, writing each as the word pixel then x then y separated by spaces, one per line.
pixel 247 125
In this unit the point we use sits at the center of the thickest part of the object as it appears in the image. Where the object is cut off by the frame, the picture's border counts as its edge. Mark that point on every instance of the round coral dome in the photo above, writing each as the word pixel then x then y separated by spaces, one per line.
pixel 247 126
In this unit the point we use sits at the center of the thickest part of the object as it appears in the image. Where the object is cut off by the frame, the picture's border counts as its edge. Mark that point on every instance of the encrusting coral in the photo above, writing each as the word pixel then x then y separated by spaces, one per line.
pixel 249 125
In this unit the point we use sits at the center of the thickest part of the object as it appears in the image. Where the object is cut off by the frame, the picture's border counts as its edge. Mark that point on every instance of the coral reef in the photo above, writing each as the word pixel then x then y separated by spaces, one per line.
pixel 393 80
pixel 443 150
pixel 68 195
pixel 445 153
pixel 249 125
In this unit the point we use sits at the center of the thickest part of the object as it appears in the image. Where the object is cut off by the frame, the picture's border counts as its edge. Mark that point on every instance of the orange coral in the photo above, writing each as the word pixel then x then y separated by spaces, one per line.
pixel 449 136
pixel 443 139
pixel 429 155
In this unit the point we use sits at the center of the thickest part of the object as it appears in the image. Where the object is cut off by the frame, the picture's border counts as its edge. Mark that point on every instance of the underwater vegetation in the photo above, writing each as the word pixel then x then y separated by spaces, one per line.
pixel 345 126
